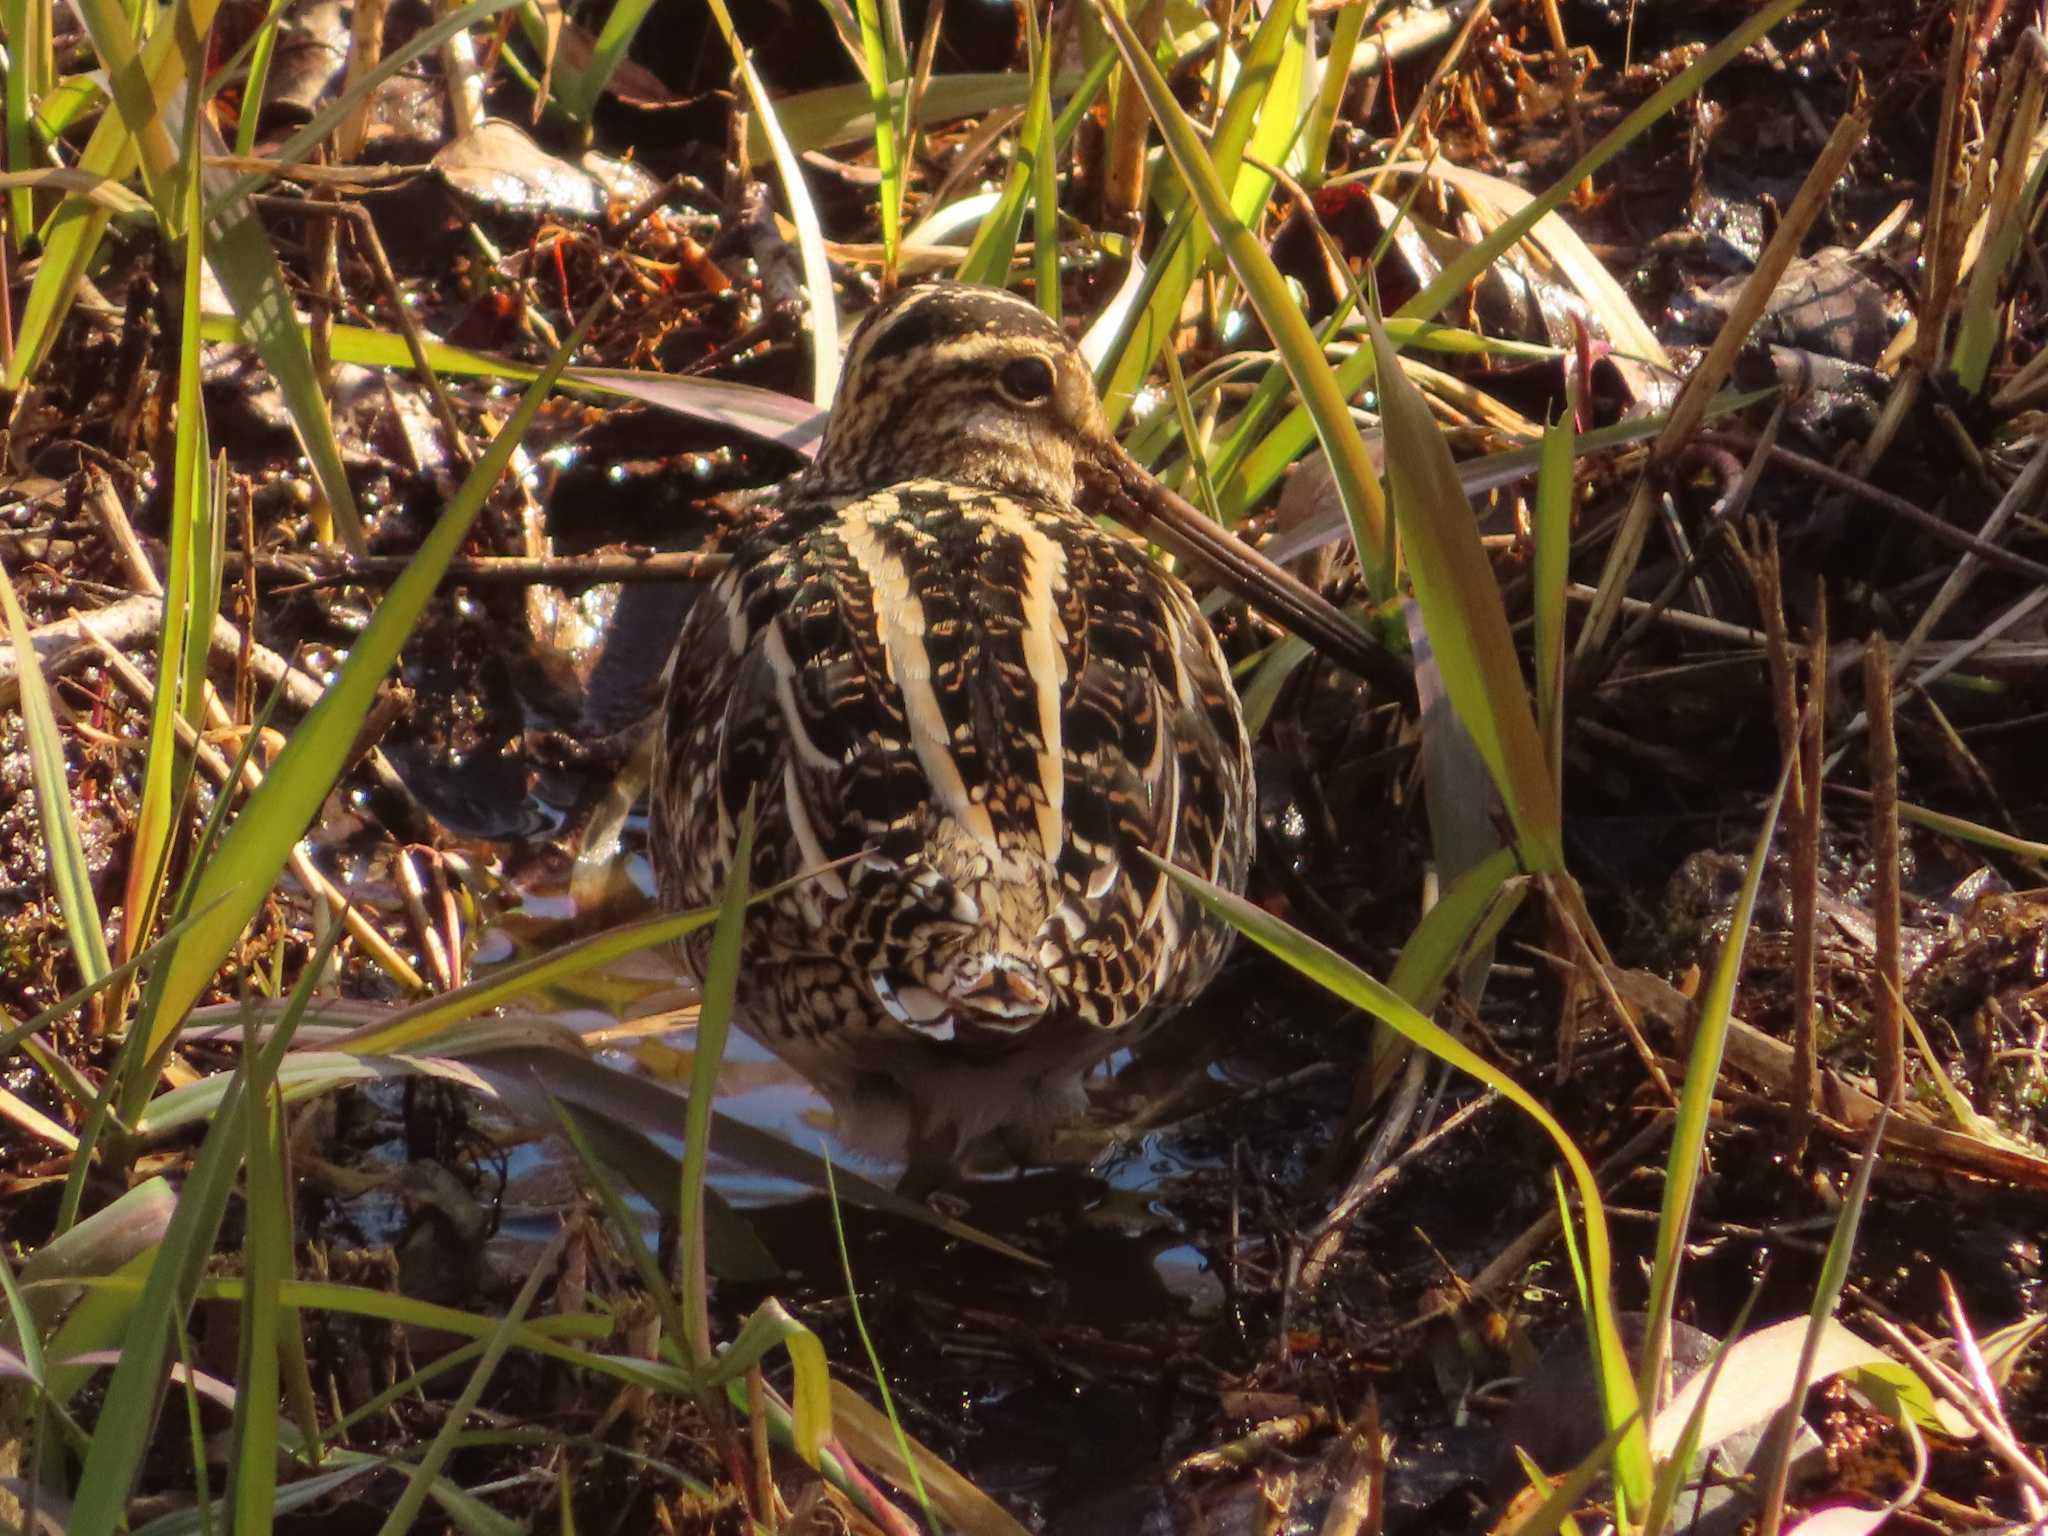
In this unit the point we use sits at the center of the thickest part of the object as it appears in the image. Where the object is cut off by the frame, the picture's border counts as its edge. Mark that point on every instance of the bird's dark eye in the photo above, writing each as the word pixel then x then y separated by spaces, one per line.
pixel 1027 380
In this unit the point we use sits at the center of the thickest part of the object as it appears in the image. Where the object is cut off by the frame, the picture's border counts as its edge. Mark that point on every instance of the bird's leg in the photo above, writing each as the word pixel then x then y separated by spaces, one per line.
pixel 934 1160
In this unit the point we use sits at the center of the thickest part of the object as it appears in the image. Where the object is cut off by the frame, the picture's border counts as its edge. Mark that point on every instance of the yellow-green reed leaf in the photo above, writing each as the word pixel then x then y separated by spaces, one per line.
pixel 189 602
pixel 542 1334
pixel 1974 832
pixel 1695 1105
pixel 28 27
pixel 762 412
pixel 810 237
pixel 1339 976
pixel 415 1027
pixel 1567 1493
pixel 1549 570
pixel 995 242
pixel 875 68
pixel 73 233
pixel 2011 209
pixel 62 847
pixel 714 1021
pixel 262 50
pixel 1045 192
pixel 108 194
pixel 1260 107
pixel 67 103
pixel 845 114
pixel 113 39
pixel 1467 910
pixel 1461 607
pixel 246 864
pixel 578 95
pixel 247 266
pixel 1284 444
pixel 770 1327
pixel 267 1262
pixel 1357 480
pixel 1311 158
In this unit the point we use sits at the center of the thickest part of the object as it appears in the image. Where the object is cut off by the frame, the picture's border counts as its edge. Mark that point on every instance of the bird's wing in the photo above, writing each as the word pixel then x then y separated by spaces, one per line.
pixel 978 701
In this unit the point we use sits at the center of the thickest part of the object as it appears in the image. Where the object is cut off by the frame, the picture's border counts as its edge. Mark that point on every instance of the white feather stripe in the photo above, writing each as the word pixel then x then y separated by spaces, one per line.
pixel 901 617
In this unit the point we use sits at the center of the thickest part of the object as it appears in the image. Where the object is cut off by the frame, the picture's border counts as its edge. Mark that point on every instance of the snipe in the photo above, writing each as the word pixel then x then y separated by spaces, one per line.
pixel 975 711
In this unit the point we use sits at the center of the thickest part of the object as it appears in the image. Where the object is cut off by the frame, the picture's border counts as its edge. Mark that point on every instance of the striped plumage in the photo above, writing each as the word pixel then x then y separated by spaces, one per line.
pixel 931 663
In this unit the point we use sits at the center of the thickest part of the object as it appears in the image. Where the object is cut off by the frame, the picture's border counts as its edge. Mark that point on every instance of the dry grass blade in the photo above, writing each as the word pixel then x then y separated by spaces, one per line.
pixel 824 302
pixel 1706 380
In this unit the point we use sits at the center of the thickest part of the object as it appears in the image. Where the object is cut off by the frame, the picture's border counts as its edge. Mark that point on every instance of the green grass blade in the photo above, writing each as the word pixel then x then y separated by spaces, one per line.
pixel 27 24
pixel 1259 98
pixel 803 213
pixel 578 96
pixel 243 868
pixel 263 49
pixel 1827 1296
pixel 247 267
pixel 1471 907
pixel 1672 1473
pixel 875 1368
pixel 1695 1105
pixel 837 115
pixel 267 1256
pixel 73 234
pixel 413 1027
pixel 1357 480
pixel 188 603
pixel 875 66
pixel 1045 189
pixel 121 1437
pixel 2012 208
pixel 69 875
pixel 1461 606
pixel 1312 154
pixel 417 1488
pixel 994 245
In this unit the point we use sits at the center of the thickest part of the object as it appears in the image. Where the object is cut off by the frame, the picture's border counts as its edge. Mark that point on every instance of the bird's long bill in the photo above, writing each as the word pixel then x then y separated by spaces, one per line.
pixel 1146 507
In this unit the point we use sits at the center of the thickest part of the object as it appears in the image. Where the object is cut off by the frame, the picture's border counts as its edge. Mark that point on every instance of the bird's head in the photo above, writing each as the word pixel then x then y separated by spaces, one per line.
pixel 975 386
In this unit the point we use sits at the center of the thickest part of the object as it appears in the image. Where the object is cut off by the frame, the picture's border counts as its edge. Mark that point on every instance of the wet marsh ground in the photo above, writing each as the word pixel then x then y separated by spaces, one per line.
pixel 1314 1282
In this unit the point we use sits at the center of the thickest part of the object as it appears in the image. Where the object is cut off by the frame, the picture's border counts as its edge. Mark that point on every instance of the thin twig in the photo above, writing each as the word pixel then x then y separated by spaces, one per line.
pixel 1948 533
pixel 1884 837
pixel 322 570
